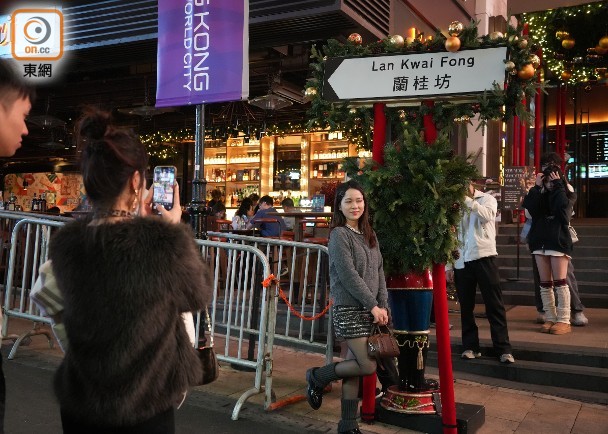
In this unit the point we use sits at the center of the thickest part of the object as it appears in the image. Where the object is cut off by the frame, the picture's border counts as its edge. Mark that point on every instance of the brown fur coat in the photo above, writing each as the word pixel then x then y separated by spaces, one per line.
pixel 125 285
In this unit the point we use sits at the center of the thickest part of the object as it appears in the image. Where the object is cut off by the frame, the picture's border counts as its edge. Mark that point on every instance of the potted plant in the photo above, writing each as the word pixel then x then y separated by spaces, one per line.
pixel 415 199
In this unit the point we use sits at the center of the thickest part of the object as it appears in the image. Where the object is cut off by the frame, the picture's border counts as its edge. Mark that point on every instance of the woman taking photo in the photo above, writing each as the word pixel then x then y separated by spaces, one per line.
pixel 550 203
pixel 126 277
pixel 358 291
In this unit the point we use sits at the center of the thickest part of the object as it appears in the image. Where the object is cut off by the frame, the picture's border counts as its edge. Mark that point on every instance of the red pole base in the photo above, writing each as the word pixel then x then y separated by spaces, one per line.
pixel 368 406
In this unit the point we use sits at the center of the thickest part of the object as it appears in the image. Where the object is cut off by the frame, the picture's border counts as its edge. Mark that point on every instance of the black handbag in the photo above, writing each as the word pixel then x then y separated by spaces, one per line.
pixel 207 357
pixel 382 344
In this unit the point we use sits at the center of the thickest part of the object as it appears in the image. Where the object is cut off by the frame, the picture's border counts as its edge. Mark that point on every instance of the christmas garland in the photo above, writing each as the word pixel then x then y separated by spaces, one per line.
pixel 499 103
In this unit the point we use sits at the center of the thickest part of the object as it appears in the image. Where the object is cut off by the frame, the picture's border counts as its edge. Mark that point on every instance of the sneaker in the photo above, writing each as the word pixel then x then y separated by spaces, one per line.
pixel 507 358
pixel 540 318
pixel 560 328
pixel 470 354
pixel 579 319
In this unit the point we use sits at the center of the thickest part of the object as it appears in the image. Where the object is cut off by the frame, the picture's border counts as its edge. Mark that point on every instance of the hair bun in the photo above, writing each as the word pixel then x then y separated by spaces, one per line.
pixel 94 124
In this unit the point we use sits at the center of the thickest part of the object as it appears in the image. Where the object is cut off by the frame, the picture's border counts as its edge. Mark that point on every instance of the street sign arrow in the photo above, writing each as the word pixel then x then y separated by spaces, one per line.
pixel 425 75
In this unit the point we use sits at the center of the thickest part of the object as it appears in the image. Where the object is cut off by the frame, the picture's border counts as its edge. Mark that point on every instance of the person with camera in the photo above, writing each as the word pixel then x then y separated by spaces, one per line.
pixel 475 267
pixel 360 298
pixel 550 204
pixel 127 278
pixel 577 315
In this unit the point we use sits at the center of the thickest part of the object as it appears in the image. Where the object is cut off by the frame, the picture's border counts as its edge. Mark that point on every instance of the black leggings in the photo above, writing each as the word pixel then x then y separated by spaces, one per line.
pixel 357 363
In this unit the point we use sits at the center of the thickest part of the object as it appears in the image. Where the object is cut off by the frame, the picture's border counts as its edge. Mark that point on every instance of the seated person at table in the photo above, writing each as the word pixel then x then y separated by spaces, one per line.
pixel 288 206
pixel 243 215
pixel 273 229
pixel 219 211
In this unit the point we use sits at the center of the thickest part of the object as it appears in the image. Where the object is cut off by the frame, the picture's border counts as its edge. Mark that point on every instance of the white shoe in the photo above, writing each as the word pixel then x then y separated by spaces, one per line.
pixel 470 354
pixel 579 319
pixel 507 358
pixel 540 318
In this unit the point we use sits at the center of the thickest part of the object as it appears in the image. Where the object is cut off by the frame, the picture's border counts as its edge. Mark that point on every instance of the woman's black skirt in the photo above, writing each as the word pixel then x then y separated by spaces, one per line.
pixel 352 321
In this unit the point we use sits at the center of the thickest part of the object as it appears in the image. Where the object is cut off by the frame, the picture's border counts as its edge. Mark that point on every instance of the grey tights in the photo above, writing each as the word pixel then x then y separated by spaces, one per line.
pixel 357 363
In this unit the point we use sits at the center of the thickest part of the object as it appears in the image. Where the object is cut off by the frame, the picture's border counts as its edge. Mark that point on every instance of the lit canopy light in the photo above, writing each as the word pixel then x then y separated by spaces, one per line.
pixel 586 24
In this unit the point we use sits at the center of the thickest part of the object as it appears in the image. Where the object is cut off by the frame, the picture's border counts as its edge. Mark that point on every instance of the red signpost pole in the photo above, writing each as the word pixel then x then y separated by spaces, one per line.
pixel 368 404
pixel 442 324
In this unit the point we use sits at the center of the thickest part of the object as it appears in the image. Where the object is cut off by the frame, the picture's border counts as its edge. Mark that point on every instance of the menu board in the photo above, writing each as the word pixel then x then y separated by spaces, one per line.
pixel 517 181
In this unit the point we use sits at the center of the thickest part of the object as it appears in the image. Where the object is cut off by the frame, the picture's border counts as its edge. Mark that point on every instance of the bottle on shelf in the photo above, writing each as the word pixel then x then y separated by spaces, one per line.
pixel 35 204
pixel 43 202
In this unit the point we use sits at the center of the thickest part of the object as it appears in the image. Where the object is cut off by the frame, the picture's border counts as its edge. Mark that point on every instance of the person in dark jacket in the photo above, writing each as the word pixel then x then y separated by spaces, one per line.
pixel 126 277
pixel 550 204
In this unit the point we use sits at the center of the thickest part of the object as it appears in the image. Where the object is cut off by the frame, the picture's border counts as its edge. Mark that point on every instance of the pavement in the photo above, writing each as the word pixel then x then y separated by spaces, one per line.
pixel 508 407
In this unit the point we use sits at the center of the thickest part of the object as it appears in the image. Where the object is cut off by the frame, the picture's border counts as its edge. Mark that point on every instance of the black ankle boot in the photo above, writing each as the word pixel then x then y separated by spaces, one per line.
pixel 314 393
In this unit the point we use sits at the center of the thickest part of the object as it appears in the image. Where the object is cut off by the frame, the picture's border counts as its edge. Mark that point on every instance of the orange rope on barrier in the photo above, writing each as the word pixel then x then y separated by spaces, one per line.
pixel 298 314
pixel 266 283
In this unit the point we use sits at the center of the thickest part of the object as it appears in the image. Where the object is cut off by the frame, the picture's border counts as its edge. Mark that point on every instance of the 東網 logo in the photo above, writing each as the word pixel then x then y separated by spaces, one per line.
pixel 37 34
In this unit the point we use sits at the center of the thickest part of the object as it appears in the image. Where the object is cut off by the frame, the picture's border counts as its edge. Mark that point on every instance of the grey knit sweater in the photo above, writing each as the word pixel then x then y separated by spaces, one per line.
pixel 355 271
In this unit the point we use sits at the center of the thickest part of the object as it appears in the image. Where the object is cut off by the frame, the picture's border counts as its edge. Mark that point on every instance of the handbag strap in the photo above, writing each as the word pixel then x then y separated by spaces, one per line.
pixel 208 321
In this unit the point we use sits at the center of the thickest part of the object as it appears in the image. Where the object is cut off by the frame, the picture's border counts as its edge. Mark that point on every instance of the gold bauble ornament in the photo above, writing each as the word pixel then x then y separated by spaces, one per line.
pixel 604 43
pixel 523 44
pixel 310 91
pixel 562 34
pixel 601 51
pixel 513 39
pixel 509 66
pixel 355 38
pixel 526 72
pixel 534 60
pixel 455 28
pixel 568 43
pixel 397 41
pixel 452 44
pixel 496 35
pixel 566 75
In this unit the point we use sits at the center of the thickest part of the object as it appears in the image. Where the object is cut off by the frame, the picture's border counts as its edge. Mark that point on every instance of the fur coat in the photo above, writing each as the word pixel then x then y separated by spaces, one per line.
pixel 125 285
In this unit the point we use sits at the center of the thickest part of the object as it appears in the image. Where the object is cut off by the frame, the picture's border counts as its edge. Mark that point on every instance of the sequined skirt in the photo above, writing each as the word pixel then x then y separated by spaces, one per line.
pixel 352 321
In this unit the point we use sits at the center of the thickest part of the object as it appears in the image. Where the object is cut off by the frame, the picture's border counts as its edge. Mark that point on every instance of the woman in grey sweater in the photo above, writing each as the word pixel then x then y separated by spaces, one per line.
pixel 358 291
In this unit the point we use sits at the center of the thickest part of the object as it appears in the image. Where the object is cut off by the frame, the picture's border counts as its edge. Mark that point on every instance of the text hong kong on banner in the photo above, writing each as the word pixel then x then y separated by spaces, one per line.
pixel 203 49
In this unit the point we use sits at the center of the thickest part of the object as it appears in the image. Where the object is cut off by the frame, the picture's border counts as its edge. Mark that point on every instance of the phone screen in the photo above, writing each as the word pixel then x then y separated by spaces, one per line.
pixel 164 178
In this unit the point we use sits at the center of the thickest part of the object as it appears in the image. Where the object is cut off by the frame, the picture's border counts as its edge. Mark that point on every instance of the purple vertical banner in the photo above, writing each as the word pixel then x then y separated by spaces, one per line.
pixel 203 51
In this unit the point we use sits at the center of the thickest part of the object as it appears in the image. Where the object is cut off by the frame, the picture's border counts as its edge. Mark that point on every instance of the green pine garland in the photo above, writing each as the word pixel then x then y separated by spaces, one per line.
pixel 415 200
pixel 494 104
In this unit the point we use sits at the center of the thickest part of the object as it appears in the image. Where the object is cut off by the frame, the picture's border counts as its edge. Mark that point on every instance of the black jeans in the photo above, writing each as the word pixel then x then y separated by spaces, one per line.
pixel 163 423
pixel 575 300
pixel 482 272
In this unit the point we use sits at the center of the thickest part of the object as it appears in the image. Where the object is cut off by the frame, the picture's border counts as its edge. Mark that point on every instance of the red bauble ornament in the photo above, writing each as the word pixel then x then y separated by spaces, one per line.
pixel 355 38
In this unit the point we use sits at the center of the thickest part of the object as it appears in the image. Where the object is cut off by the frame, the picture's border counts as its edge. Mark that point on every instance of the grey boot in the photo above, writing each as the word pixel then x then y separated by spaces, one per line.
pixel 349 415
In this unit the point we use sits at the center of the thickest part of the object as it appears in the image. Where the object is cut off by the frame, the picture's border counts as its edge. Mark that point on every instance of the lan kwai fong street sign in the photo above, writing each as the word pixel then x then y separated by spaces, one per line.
pixel 414 75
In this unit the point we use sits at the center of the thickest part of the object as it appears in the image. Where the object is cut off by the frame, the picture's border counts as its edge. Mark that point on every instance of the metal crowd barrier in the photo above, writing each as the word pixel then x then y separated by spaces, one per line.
pixel 305 287
pixel 29 243
pixel 244 310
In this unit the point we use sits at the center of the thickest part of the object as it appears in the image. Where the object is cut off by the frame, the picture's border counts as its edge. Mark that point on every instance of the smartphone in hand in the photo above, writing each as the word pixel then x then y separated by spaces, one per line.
pixel 162 183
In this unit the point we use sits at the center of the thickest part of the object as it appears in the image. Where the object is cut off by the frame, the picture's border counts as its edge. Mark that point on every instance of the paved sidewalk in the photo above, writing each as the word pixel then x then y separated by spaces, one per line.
pixel 507 410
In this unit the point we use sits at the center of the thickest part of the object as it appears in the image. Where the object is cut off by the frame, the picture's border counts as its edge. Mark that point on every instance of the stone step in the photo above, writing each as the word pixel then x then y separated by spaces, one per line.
pixel 525 259
pixel 580 250
pixel 576 369
pixel 582 274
